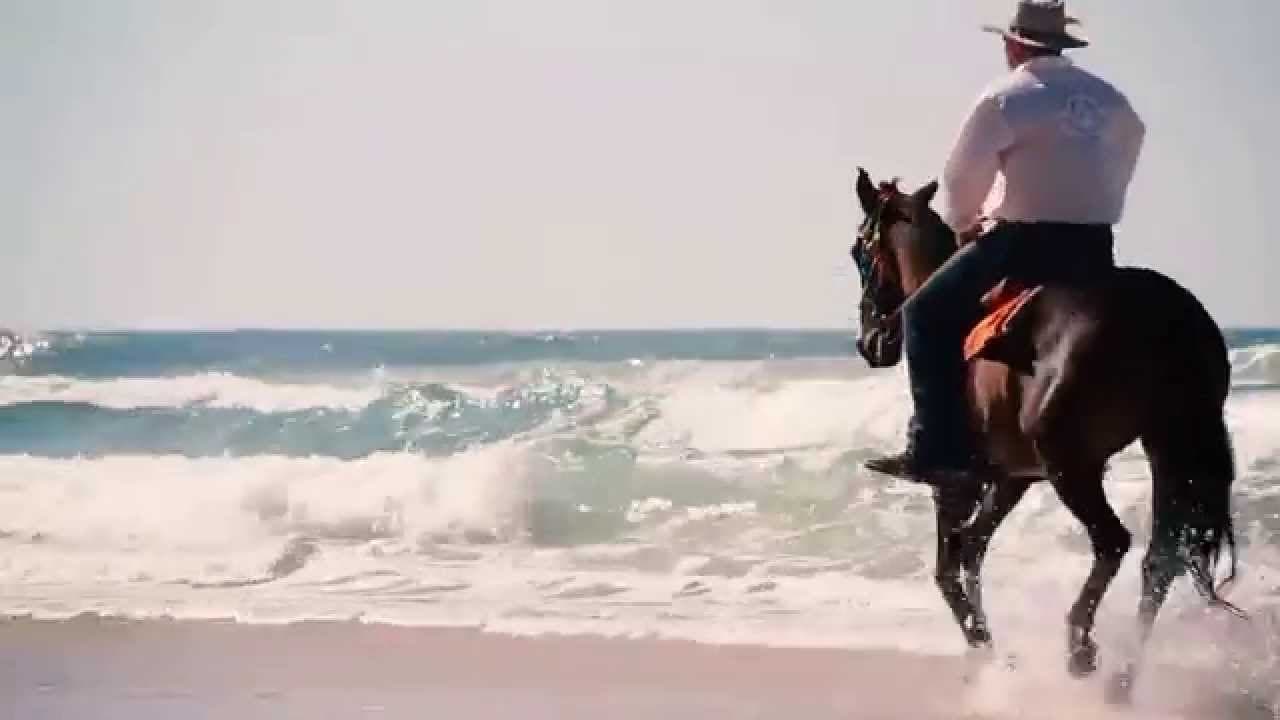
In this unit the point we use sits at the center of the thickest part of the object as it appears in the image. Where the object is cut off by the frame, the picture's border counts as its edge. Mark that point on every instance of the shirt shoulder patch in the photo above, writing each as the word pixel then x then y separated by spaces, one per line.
pixel 1082 116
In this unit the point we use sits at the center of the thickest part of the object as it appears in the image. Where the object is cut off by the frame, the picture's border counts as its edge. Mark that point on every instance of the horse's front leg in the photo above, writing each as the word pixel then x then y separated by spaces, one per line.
pixel 1000 499
pixel 955 506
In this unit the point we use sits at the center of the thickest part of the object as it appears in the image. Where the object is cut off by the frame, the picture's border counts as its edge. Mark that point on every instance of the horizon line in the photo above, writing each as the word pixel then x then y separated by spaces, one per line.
pixel 497 331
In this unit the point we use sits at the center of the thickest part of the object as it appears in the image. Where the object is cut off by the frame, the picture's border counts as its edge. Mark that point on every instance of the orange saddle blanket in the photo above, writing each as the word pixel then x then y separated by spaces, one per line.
pixel 1003 304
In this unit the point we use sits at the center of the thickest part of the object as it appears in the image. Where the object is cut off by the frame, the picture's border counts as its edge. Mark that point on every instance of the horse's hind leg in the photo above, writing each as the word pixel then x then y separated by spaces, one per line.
pixel 1160 567
pixel 1080 489
pixel 1163 563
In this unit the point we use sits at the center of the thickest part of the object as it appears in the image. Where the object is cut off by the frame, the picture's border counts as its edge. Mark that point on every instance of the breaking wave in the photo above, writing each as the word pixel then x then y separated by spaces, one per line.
pixel 724 500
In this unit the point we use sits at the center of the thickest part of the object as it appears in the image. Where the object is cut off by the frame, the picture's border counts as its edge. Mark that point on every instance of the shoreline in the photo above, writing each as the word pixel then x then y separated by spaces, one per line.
pixel 111 668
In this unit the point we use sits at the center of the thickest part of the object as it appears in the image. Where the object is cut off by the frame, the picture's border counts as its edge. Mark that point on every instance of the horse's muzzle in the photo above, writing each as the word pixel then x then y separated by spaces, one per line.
pixel 880 348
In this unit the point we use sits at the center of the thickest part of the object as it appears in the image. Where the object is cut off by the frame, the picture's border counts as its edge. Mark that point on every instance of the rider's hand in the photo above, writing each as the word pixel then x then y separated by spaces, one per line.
pixel 964 237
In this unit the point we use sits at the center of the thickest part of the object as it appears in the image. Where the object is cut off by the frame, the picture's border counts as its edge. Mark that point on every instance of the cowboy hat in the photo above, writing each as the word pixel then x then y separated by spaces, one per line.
pixel 1042 24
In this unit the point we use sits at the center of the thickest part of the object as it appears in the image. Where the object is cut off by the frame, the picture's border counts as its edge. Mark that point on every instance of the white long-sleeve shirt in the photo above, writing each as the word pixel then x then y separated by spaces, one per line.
pixel 1063 141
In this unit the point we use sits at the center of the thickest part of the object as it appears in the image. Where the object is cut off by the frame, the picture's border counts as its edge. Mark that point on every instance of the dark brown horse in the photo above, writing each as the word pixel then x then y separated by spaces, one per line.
pixel 1087 370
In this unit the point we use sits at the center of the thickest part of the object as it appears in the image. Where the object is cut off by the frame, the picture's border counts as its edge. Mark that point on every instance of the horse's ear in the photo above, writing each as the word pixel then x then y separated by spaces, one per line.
pixel 867 194
pixel 924 195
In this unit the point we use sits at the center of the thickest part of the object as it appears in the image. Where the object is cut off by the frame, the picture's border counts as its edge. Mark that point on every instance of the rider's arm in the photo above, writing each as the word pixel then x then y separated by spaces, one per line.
pixel 973 164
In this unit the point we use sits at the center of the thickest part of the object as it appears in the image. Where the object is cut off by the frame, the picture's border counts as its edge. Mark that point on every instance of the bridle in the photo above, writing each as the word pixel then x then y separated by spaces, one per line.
pixel 877 269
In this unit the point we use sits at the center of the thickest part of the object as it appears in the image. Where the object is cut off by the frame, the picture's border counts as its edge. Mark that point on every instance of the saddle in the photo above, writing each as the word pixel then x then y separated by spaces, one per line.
pixel 1056 254
pixel 993 338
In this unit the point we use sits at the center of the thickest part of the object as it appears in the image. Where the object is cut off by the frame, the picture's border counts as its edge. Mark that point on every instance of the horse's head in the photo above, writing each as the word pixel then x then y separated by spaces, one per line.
pixel 900 243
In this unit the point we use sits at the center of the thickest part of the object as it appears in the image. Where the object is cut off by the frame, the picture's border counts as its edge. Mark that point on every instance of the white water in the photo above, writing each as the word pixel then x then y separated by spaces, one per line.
pixel 723 502
pixel 1252 366
pixel 206 390
pixel 1259 364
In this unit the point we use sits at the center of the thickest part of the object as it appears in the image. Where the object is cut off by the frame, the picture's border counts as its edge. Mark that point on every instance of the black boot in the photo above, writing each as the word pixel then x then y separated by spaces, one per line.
pixel 908 466
pixel 901 465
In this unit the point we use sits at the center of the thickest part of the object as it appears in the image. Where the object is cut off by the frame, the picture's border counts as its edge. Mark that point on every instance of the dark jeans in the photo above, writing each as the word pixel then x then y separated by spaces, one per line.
pixel 943 311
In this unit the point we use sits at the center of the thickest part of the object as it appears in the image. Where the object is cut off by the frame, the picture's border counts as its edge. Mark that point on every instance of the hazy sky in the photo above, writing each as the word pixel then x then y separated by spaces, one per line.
pixel 563 163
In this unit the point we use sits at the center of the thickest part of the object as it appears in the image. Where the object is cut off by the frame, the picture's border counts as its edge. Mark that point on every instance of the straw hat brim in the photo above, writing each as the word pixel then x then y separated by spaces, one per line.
pixel 1059 41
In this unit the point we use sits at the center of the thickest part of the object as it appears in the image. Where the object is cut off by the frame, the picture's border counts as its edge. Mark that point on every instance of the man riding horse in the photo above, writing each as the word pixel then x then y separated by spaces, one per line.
pixel 1066 143
pixel 1087 360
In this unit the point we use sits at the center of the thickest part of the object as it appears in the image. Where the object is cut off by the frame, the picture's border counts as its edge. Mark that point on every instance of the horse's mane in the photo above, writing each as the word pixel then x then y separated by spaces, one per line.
pixel 896 204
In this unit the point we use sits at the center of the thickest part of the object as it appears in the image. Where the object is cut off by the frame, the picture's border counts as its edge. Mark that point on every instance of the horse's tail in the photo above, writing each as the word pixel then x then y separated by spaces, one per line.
pixel 1190 448
pixel 1192 507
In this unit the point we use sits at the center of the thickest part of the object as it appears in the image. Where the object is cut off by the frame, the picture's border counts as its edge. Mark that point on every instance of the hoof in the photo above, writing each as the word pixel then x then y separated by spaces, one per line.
pixel 1120 688
pixel 976 660
pixel 981 638
pixel 1083 661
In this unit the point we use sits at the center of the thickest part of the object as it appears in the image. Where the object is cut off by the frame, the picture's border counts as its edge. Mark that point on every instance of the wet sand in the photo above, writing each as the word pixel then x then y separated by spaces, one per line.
pixel 105 669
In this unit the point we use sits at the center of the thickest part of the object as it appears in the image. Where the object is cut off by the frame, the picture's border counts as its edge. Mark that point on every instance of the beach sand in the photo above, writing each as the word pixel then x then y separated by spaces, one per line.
pixel 102 668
